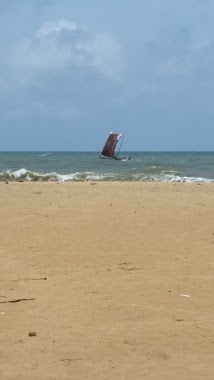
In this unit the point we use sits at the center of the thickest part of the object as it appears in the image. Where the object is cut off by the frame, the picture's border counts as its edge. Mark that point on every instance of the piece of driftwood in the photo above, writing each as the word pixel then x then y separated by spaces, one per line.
pixel 130 269
pixel 30 279
pixel 18 300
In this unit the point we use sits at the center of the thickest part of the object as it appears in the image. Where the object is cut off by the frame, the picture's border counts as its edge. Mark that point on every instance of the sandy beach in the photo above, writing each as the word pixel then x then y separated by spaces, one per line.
pixel 114 280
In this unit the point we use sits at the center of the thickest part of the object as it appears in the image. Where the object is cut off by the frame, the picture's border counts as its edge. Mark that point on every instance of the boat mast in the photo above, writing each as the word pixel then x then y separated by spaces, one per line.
pixel 120 144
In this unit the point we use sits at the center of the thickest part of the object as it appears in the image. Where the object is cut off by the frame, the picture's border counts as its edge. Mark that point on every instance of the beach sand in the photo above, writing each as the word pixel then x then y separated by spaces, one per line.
pixel 115 279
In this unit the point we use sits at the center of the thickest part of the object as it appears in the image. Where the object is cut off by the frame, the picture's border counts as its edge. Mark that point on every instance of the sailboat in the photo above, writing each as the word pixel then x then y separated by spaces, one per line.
pixel 110 145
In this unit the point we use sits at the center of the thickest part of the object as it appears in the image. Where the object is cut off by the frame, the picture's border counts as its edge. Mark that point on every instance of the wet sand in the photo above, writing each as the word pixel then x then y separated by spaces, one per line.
pixel 115 279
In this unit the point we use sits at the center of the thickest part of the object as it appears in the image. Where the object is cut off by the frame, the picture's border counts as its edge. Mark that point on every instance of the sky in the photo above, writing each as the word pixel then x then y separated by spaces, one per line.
pixel 71 72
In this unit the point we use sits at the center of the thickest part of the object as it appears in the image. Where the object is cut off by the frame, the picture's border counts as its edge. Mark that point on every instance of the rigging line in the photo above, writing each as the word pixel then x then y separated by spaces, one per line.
pixel 120 144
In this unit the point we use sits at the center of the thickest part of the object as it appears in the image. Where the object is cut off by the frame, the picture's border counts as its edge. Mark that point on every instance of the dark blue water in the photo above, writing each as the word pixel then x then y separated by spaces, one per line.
pixel 86 166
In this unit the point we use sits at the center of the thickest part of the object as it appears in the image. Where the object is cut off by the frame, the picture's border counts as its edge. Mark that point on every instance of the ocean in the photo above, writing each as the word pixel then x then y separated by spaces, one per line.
pixel 86 166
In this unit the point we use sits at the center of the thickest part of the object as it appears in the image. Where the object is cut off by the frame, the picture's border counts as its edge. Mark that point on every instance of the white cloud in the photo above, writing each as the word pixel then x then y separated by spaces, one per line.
pixel 61 45
pixel 103 53
pixel 42 56
pixel 56 27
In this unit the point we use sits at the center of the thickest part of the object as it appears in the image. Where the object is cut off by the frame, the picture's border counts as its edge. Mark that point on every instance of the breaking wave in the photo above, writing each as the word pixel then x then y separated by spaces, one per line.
pixel 31 176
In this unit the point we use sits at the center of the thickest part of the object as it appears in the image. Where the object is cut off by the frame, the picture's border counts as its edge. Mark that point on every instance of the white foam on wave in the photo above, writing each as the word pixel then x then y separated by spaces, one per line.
pixel 44 155
pixel 28 175
pixel 162 177
pixel 176 178
pixel 18 173
pixel 66 177
pixel 31 176
pixel 83 176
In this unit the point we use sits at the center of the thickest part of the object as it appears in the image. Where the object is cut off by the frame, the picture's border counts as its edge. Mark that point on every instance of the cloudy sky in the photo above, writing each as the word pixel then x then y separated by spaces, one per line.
pixel 73 71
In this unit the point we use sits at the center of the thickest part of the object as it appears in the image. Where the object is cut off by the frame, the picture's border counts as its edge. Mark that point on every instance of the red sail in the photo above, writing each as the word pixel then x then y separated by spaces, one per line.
pixel 110 145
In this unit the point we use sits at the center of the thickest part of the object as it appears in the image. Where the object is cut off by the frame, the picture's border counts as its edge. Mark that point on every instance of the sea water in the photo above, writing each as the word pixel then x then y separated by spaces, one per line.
pixel 87 166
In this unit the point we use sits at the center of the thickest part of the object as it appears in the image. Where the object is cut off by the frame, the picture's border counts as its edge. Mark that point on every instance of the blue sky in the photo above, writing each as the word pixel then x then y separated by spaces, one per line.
pixel 73 71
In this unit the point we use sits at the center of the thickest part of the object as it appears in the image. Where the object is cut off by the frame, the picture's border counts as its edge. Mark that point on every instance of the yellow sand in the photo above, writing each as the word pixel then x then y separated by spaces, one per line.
pixel 100 269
